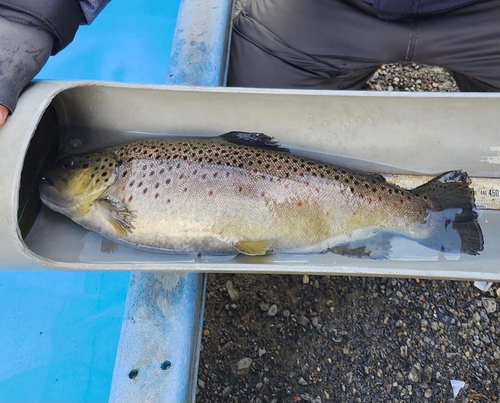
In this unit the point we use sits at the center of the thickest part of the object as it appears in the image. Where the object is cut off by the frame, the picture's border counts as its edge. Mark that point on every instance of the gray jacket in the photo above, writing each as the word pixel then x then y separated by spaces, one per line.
pixel 32 30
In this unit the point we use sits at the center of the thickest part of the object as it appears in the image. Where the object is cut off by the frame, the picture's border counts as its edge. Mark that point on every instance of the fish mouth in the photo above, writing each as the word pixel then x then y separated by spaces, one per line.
pixel 46 181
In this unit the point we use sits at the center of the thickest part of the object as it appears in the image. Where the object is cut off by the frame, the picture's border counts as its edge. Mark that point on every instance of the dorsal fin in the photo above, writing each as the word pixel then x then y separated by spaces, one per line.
pixel 259 140
pixel 376 177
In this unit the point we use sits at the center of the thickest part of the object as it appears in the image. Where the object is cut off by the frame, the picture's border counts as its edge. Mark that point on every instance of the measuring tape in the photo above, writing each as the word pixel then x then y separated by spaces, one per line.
pixel 486 190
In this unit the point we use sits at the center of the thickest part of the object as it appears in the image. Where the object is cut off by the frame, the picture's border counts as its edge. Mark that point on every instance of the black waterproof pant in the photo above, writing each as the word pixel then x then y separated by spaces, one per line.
pixel 339 44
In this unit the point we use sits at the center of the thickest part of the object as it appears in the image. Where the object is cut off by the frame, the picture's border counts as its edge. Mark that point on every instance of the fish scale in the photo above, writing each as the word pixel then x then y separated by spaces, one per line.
pixel 240 193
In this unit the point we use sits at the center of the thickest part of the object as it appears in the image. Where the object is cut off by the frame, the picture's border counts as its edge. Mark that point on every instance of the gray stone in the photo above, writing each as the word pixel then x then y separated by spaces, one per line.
pixel 273 310
pixel 227 390
pixel 262 351
pixel 264 307
pixel 286 313
pixel 303 321
pixel 244 363
pixel 302 381
pixel 414 375
pixel 489 304
pixel 201 383
pixel 233 294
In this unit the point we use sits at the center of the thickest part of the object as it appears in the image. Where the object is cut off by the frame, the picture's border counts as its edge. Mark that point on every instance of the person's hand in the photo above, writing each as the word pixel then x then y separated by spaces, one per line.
pixel 4 112
pixel 24 49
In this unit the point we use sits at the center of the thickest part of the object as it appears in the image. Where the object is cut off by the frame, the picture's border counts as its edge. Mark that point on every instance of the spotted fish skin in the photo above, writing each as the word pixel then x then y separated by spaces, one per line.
pixel 214 196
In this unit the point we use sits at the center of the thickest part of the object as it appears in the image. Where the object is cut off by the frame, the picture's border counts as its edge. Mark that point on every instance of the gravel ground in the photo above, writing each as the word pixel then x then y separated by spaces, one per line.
pixel 349 339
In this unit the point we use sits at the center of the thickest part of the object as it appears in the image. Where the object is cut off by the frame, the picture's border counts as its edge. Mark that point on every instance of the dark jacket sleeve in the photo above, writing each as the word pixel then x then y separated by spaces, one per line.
pixel 59 17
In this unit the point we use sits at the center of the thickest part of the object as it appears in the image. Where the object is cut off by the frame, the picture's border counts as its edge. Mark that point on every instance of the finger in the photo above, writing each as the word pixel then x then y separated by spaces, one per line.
pixel 4 112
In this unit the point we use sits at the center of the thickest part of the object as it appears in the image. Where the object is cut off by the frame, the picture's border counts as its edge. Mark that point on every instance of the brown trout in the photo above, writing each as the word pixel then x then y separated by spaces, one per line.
pixel 243 193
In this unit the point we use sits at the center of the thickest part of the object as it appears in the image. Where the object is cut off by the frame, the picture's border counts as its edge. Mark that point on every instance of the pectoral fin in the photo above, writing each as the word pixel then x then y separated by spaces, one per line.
pixel 378 247
pixel 253 248
pixel 118 215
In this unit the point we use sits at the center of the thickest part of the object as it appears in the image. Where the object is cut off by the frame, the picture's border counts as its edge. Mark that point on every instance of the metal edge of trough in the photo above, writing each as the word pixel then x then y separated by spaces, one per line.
pixel 158 352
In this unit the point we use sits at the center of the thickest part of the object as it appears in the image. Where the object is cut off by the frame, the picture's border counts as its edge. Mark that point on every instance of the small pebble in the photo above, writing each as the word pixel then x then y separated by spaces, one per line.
pixel 303 321
pixel 490 305
pixel 244 363
pixel 273 310
pixel 233 294
pixel 302 381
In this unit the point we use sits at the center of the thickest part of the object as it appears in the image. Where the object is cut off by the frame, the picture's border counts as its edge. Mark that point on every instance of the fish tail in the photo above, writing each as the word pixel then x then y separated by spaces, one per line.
pixel 457 228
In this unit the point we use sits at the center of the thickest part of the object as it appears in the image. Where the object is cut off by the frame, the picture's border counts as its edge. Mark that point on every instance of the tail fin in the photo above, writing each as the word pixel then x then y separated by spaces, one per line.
pixel 450 191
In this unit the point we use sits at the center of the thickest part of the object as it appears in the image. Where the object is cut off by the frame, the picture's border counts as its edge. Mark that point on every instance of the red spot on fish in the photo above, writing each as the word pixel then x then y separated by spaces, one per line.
pixel 301 174
pixel 130 199
pixel 278 167
pixel 240 189
pixel 316 189
pixel 361 196
pixel 401 201
pixel 204 176
pixel 379 198
pixel 255 170
pixel 420 212
pixel 408 197
pixel 185 189
pixel 395 205
pixel 341 191
pixel 327 213
pixel 299 203
pixel 210 193
pixel 369 200
pixel 286 186
pixel 263 194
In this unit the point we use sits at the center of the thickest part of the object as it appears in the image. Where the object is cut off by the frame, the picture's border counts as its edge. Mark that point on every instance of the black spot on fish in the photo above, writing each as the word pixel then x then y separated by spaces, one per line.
pixel 157 186
pixel 145 190
pixel 139 184
pixel 167 181
pixel 85 166
pixel 104 174
pixel 131 183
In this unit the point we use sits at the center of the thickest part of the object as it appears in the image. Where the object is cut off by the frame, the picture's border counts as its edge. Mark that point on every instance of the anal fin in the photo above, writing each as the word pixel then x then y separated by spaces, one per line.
pixel 253 248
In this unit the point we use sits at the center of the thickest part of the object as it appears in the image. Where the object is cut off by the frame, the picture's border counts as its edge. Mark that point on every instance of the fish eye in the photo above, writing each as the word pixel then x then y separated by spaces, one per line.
pixel 68 163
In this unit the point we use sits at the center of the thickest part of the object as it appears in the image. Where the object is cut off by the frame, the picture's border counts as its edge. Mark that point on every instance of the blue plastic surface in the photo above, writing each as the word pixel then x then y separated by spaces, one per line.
pixel 130 41
pixel 59 331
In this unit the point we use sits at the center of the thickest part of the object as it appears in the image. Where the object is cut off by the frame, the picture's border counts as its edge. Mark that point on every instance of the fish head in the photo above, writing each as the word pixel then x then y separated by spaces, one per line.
pixel 73 183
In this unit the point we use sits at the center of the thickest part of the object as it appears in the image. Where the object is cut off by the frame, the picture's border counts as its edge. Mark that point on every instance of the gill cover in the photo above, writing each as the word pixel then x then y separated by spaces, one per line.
pixel 75 182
